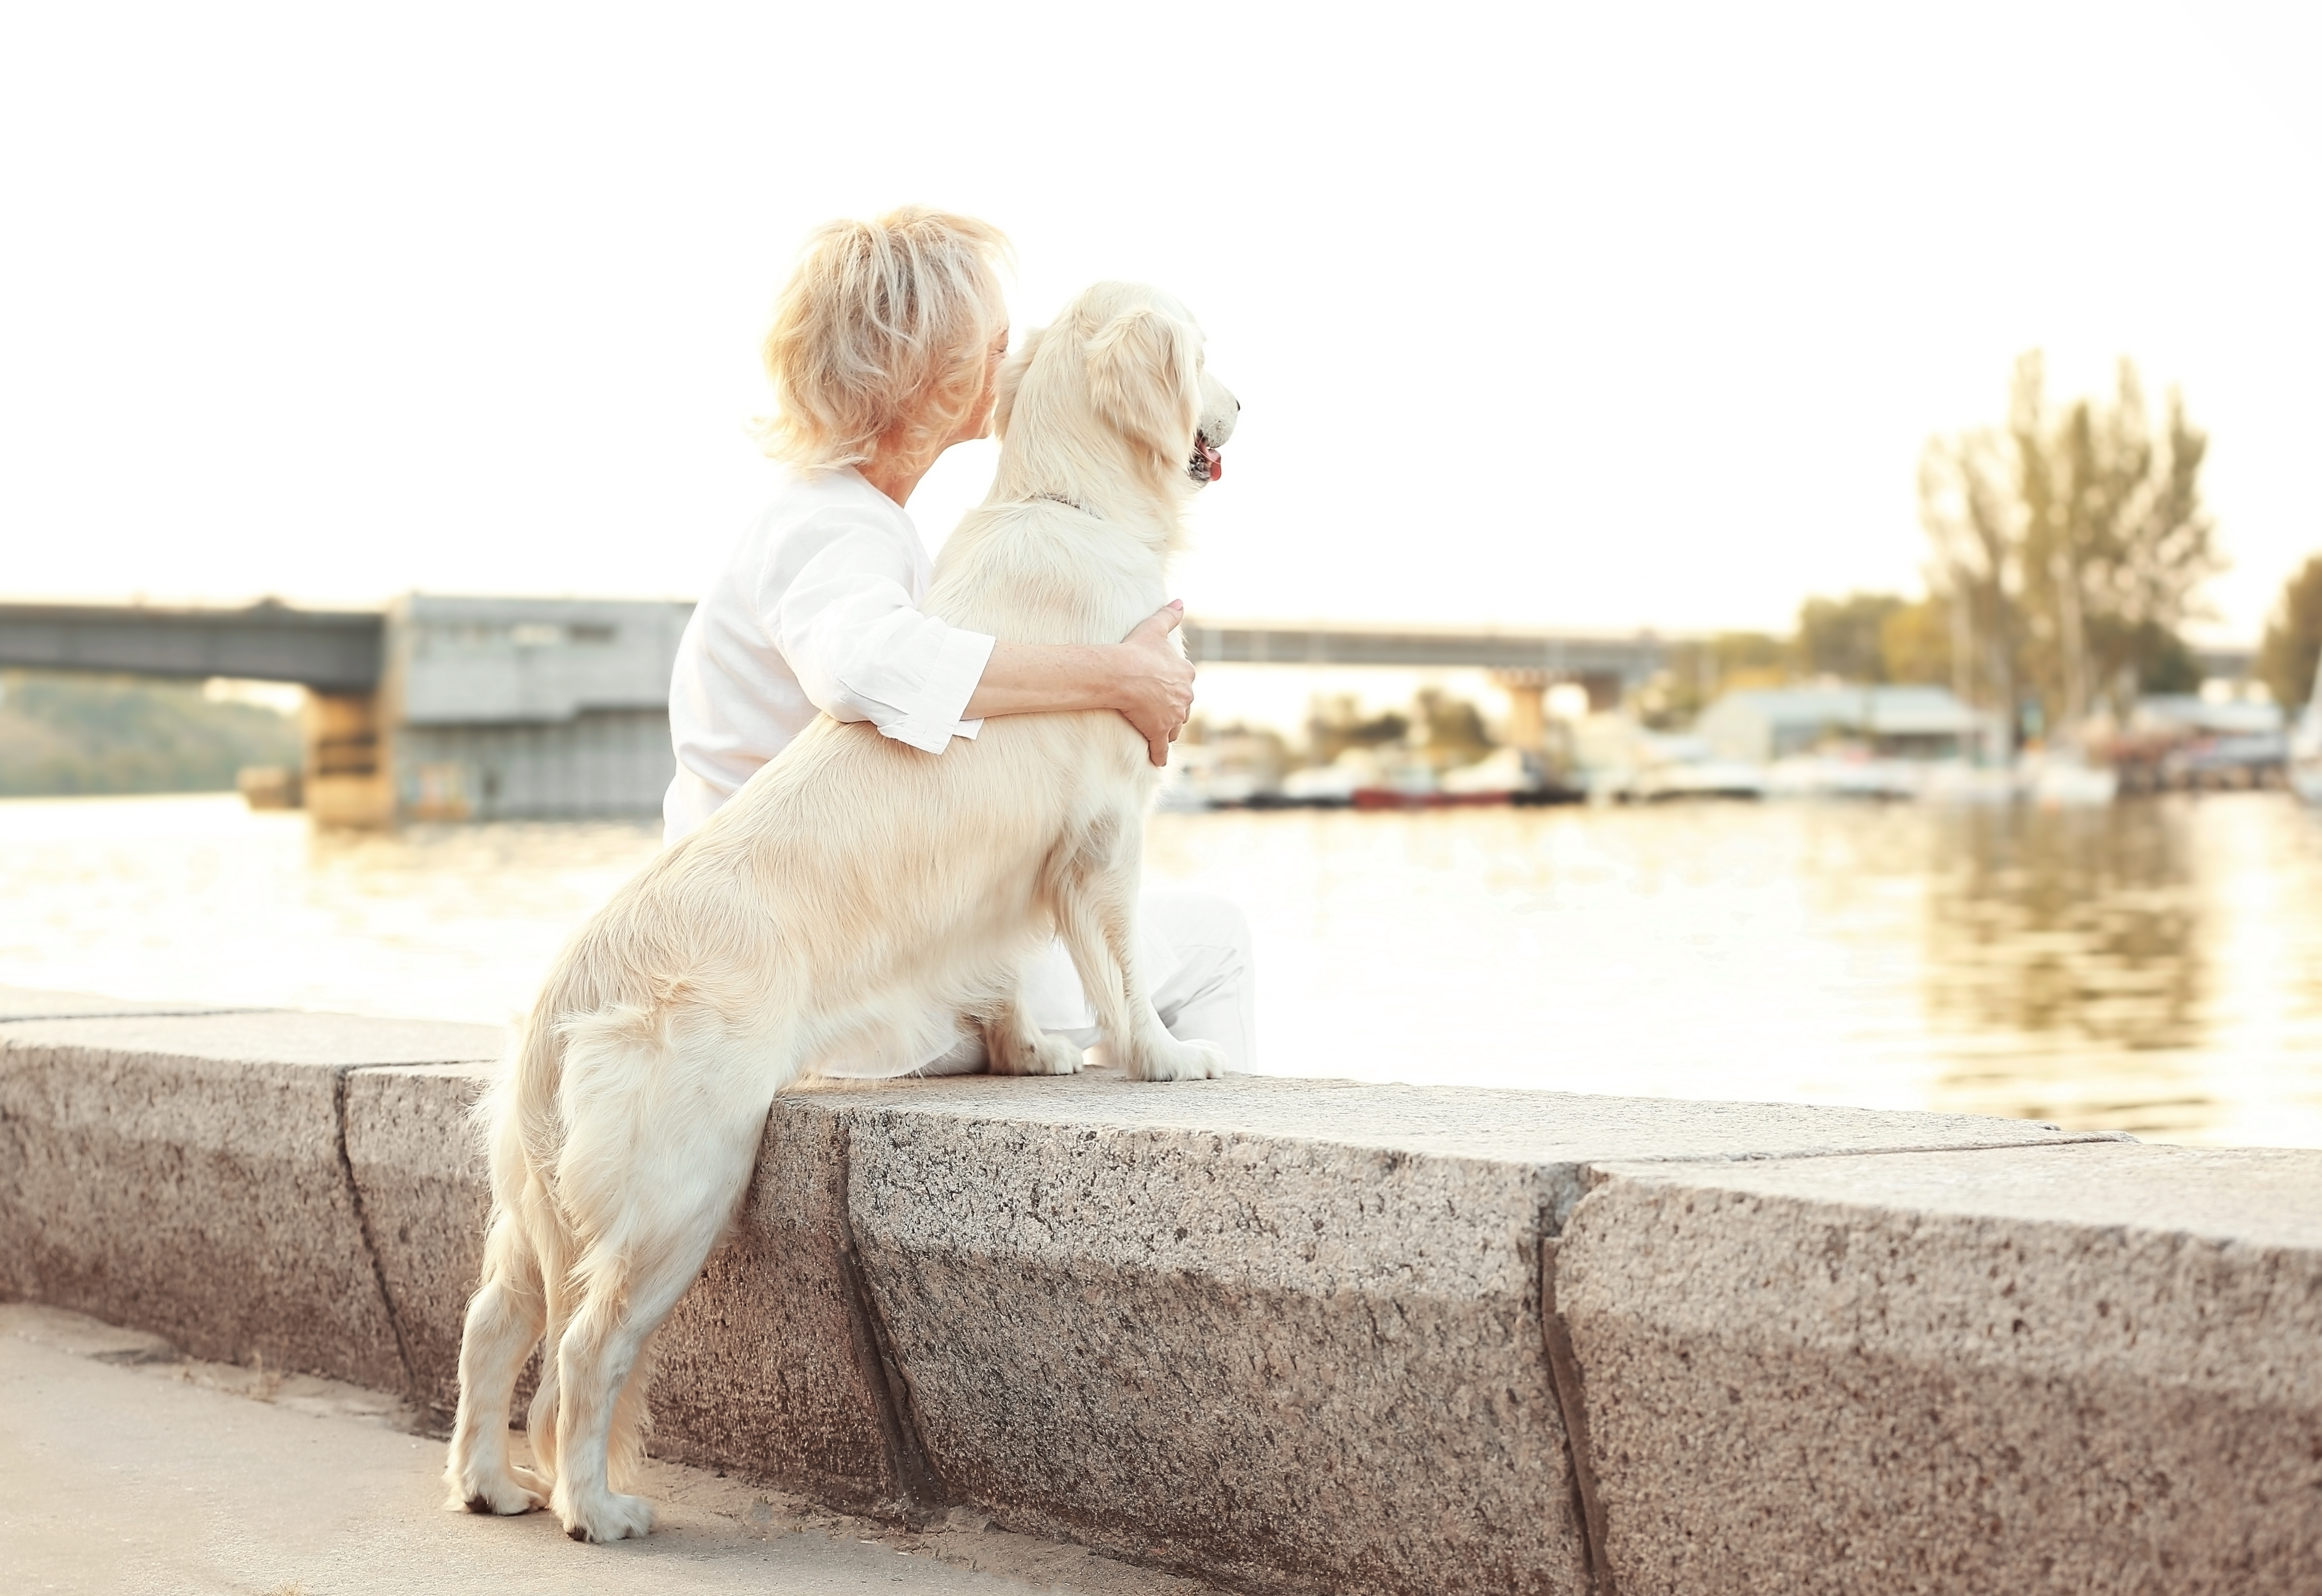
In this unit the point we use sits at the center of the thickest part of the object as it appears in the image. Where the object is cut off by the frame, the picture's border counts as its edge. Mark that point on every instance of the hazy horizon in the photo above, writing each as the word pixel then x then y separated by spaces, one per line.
pixel 1541 318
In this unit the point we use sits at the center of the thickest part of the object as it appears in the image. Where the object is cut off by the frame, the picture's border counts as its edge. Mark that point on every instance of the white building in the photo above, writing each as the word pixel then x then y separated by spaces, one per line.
pixel 1759 725
pixel 506 708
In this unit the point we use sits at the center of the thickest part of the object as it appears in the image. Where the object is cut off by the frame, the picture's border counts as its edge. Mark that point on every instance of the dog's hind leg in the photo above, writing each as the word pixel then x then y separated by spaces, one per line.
pixel 504 1322
pixel 625 1302
pixel 661 1137
pixel 625 1450
pixel 1095 898
pixel 540 1420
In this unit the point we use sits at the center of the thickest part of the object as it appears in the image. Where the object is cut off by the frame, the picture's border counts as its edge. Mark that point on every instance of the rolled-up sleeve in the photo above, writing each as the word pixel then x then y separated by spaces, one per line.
pixel 847 624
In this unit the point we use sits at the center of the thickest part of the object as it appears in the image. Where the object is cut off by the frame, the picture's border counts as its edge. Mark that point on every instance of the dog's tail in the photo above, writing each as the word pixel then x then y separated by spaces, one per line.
pixel 517 1119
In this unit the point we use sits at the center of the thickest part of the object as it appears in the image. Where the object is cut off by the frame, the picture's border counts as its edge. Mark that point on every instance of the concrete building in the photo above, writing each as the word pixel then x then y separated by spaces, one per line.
pixel 1759 725
pixel 546 708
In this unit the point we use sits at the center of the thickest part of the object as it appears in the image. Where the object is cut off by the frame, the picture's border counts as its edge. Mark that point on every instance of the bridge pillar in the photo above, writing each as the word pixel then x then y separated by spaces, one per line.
pixel 349 777
pixel 1527 692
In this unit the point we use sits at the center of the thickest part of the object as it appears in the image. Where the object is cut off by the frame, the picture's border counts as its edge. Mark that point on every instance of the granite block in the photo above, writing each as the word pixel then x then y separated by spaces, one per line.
pixel 427 1196
pixel 186 1176
pixel 773 1365
pixel 2064 1368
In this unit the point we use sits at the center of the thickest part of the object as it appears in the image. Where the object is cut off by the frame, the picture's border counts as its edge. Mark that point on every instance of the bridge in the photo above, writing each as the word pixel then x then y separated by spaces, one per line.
pixel 1524 664
pixel 1563 654
pixel 344 651
pixel 330 650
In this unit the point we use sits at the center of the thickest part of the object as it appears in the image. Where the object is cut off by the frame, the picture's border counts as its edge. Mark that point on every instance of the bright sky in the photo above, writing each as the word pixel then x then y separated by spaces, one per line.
pixel 1600 317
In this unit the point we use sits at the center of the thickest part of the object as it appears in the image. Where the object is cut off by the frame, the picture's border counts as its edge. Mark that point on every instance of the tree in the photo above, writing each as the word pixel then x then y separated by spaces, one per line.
pixel 1453 729
pixel 1969 505
pixel 1335 725
pixel 1698 671
pixel 2159 660
pixel 2117 542
pixel 2291 651
pixel 1749 658
pixel 1915 642
pixel 2068 545
pixel 1843 637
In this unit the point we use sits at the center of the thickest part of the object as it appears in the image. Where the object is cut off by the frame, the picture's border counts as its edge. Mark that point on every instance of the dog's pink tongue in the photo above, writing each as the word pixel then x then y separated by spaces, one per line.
pixel 1216 462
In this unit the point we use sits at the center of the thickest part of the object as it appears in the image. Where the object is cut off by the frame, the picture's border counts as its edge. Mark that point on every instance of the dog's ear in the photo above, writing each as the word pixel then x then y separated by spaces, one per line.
pixel 1142 379
pixel 1011 378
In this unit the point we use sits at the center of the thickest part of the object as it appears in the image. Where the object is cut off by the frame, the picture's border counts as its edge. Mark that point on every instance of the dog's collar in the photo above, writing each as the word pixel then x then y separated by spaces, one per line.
pixel 1070 503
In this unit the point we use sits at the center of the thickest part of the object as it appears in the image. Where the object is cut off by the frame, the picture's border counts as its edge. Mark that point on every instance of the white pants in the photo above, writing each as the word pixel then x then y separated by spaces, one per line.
pixel 1193 956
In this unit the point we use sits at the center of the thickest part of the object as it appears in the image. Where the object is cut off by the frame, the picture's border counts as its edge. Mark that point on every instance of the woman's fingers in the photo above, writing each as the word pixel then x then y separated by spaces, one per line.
pixel 1158 725
pixel 1162 622
pixel 1157 684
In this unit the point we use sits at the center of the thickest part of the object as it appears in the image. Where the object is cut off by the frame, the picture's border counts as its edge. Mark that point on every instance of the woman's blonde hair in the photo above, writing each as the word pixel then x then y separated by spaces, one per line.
pixel 879 338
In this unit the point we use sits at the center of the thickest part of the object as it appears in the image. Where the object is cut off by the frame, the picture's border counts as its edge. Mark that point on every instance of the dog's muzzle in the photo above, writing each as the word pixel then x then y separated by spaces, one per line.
pixel 1207 465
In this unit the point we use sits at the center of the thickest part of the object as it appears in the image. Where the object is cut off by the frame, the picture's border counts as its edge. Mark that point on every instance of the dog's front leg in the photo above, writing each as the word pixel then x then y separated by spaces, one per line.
pixel 1096 914
pixel 1016 1046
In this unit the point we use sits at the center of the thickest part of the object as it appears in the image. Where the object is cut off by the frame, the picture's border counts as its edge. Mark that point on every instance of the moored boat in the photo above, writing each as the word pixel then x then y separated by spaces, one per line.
pixel 2064 782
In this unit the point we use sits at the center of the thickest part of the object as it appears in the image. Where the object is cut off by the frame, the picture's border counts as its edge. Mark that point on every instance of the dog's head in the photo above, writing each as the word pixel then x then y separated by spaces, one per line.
pixel 1134 357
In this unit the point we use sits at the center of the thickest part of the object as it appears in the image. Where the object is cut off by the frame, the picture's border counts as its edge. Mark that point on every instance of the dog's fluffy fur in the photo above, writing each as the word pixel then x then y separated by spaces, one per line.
pixel 857 895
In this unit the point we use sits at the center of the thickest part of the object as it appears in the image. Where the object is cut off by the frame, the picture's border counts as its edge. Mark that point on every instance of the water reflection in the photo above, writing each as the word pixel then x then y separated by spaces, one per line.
pixel 2081 922
pixel 2155 968
pixel 2072 938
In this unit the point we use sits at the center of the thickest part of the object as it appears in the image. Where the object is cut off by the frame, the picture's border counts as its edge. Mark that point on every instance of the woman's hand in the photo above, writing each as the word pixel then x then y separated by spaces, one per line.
pixel 1155 685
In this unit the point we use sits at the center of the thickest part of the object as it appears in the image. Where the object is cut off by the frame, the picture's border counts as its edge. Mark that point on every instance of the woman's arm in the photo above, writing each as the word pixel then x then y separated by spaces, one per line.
pixel 861 651
pixel 1144 677
pixel 839 608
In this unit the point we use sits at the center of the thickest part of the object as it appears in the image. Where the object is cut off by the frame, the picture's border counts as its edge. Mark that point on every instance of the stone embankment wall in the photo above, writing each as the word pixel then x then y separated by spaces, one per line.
pixel 1296 1336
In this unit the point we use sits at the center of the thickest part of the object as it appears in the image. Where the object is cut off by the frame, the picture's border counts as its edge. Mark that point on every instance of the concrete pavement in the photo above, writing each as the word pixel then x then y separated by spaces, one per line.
pixel 124 1469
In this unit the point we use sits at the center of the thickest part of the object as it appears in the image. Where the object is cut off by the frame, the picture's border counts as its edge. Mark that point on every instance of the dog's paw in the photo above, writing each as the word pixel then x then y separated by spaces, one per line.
pixel 512 1491
pixel 1172 1059
pixel 1039 1054
pixel 603 1515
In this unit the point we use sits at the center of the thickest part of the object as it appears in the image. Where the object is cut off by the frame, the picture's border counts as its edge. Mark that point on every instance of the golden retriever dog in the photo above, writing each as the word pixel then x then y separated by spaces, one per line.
pixel 856 895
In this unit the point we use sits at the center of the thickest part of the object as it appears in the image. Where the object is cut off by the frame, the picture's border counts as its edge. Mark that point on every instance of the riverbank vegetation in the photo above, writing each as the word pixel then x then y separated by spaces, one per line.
pixel 64 734
pixel 2291 652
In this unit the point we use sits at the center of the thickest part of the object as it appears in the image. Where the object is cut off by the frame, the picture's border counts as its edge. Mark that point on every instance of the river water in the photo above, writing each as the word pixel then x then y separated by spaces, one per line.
pixel 2155 967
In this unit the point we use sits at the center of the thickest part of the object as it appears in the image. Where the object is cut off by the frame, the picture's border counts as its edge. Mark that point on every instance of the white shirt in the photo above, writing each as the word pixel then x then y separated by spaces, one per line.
pixel 816 612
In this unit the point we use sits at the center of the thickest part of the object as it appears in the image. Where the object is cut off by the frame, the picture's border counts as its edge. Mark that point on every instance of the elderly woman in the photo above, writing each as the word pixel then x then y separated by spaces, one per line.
pixel 884 352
